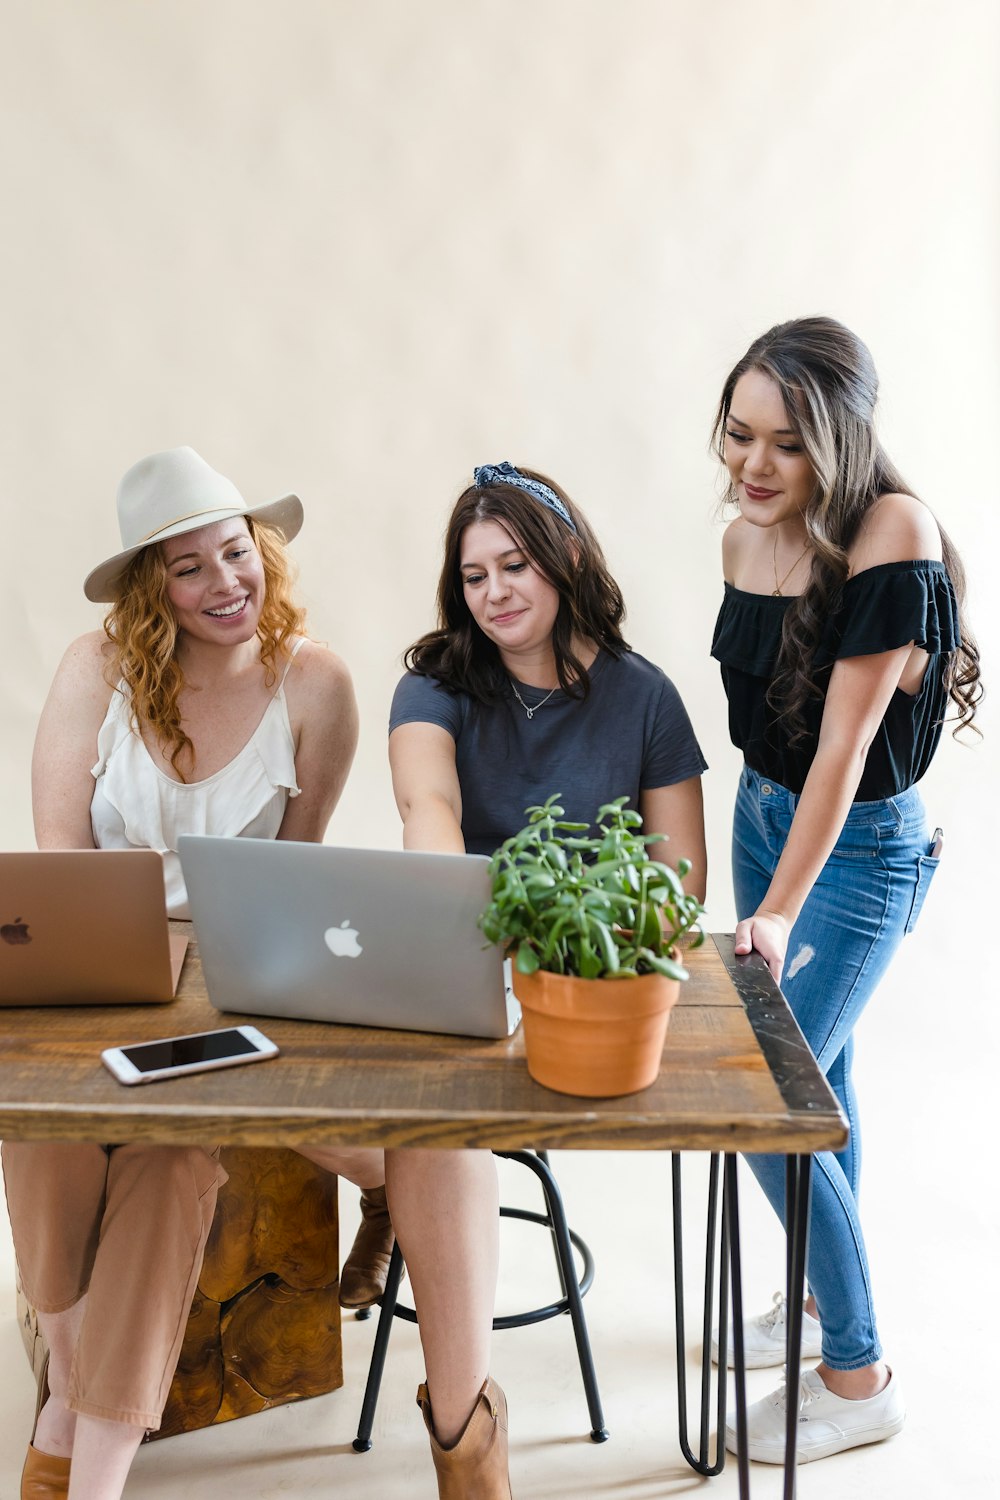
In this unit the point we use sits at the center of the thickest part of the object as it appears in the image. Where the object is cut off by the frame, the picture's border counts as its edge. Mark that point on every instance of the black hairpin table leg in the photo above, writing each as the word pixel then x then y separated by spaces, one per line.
pixel 731 1249
pixel 702 1464
pixel 798 1186
pixel 798 1181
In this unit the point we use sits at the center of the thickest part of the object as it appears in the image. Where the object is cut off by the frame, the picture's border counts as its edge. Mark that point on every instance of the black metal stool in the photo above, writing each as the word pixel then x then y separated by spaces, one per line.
pixel 571 1301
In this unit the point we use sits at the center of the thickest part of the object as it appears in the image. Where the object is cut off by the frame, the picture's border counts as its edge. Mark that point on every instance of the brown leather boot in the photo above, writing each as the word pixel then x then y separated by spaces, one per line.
pixel 44 1476
pixel 474 1467
pixel 362 1280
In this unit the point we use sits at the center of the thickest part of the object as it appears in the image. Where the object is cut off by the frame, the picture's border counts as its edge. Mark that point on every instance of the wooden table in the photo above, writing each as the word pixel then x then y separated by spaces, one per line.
pixel 737 1076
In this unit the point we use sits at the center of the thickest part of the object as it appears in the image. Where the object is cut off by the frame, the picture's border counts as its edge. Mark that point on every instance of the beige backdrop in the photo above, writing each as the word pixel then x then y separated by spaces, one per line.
pixel 356 248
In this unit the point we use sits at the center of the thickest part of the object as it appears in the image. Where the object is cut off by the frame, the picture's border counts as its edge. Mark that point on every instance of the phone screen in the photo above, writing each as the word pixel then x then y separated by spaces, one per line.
pixel 175 1052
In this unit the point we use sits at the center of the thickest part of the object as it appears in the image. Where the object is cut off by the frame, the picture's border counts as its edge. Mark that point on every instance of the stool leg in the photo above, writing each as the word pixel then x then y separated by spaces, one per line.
pixel 564 1248
pixel 363 1441
pixel 543 1156
pixel 571 1301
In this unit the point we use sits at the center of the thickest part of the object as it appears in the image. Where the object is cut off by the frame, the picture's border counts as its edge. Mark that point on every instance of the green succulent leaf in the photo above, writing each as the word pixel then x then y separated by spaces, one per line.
pixel 527 960
pixel 663 964
pixel 605 943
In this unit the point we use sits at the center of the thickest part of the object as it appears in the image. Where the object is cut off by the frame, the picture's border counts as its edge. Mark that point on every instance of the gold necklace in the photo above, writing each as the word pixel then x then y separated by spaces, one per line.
pixel 774 563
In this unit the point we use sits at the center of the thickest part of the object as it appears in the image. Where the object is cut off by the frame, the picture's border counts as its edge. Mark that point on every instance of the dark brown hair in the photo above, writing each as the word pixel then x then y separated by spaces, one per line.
pixel 459 655
pixel 829 385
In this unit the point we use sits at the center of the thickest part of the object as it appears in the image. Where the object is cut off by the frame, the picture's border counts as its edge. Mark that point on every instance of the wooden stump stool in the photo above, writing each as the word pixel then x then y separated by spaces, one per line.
pixel 264 1327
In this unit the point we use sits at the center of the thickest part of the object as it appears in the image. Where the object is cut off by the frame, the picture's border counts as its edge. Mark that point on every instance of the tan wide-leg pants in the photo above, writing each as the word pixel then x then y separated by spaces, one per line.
pixel 127 1225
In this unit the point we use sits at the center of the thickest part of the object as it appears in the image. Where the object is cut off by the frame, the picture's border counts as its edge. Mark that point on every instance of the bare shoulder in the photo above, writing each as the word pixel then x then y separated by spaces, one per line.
pixel 318 680
pixel 85 673
pixel 68 730
pixel 898 528
pixel 91 652
pixel 734 546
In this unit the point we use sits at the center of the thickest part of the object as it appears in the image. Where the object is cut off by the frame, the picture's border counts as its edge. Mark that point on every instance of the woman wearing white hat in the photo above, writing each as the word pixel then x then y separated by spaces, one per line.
pixel 201 708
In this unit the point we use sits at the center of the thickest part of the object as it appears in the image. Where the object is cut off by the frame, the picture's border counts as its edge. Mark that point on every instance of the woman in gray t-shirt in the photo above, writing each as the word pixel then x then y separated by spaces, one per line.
pixel 526 688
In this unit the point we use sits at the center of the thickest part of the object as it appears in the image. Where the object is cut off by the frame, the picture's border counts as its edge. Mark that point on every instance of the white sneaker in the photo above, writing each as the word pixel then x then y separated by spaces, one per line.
pixel 764 1338
pixel 827 1423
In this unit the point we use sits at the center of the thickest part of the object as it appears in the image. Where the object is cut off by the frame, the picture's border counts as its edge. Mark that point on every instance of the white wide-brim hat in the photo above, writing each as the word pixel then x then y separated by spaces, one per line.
pixel 170 493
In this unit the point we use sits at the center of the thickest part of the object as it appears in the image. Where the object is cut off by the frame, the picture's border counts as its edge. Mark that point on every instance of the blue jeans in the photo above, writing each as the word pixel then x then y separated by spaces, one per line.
pixel 866 897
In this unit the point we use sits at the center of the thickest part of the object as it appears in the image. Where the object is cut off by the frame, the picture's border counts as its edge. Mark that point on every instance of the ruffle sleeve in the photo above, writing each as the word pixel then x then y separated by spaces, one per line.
pixel 113 732
pixel 890 605
pixel 276 747
pixel 748 631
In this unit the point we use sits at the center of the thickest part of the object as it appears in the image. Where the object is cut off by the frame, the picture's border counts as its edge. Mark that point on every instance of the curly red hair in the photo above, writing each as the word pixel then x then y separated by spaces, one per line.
pixel 143 631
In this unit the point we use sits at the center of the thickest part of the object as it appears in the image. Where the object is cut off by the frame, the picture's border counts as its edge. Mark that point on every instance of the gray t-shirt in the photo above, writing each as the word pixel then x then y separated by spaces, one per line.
pixel 630 734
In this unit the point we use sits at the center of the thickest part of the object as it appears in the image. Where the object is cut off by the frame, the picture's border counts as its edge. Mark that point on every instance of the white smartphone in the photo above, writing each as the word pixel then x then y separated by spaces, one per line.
pixel 173 1056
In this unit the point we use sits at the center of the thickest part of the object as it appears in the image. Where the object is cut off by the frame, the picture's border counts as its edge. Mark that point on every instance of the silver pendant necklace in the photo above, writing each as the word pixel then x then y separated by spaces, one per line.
pixel 531 712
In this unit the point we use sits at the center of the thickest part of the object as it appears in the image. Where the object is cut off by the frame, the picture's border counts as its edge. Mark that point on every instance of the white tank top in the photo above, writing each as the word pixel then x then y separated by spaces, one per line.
pixel 137 805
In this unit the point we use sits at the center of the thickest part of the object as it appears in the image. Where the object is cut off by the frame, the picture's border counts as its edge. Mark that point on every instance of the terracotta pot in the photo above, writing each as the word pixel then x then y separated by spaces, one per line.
pixel 595 1037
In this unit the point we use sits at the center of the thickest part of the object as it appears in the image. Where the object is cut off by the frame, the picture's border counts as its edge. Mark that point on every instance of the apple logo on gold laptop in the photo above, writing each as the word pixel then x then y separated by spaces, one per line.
pixel 15 932
pixel 343 940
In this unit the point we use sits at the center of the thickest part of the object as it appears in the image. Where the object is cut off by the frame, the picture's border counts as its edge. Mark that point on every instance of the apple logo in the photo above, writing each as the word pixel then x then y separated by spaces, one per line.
pixel 15 932
pixel 343 940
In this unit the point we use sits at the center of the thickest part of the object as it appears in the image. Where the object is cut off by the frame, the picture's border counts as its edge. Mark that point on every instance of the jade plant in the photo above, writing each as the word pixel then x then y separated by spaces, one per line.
pixel 592 904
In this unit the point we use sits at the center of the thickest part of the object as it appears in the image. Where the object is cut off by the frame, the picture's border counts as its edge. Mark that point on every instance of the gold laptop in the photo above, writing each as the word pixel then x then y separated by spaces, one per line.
pixel 86 927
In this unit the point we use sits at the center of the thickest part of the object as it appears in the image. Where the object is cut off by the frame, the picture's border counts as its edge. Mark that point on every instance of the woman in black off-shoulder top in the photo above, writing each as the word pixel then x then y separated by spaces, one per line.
pixel 841 641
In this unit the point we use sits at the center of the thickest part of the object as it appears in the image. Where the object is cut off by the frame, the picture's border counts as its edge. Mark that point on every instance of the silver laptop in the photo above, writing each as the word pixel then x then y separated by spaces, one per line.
pixel 86 927
pixel 364 936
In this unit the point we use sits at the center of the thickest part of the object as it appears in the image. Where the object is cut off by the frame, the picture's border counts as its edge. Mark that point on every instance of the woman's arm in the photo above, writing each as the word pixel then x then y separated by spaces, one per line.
pixel 859 694
pixel 678 812
pixel 425 785
pixel 62 787
pixel 900 530
pixel 324 715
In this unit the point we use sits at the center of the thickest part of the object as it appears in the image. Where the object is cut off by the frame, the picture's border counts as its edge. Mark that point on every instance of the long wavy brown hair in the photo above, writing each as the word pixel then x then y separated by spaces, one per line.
pixel 591 608
pixel 143 631
pixel 829 386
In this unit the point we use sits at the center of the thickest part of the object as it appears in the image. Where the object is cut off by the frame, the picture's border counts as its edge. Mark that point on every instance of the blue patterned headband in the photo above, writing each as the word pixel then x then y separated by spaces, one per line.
pixel 505 473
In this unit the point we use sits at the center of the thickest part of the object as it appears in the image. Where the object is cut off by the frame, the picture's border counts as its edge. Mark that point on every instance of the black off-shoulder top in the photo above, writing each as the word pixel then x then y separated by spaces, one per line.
pixel 880 609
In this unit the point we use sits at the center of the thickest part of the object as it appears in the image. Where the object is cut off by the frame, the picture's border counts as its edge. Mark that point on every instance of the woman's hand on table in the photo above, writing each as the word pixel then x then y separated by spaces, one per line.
pixel 766 933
